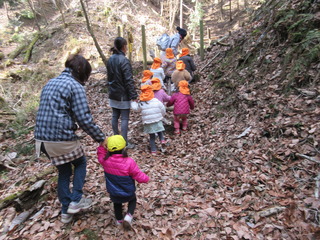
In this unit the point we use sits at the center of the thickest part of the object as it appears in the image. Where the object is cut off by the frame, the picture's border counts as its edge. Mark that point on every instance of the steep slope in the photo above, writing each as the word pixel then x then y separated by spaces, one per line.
pixel 246 168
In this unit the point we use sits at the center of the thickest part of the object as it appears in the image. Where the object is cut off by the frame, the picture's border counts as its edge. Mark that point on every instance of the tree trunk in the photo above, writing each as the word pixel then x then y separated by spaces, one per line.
pixel 181 14
pixel 7 11
pixel 42 12
pixel 230 13
pixel 221 9
pixel 174 4
pixel 18 50
pixel 103 57
pixel 30 48
pixel 57 4
pixel 30 3
pixel 245 4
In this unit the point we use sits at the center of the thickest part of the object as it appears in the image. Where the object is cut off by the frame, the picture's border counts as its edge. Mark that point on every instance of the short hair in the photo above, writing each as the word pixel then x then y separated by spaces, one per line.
pixel 81 68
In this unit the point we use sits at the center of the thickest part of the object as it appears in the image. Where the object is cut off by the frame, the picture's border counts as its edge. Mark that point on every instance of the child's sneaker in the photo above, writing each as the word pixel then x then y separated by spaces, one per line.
pixel 163 142
pixel 75 207
pixel 66 218
pixel 166 121
pixel 176 131
pixel 119 222
pixel 127 222
pixel 153 153
pixel 184 129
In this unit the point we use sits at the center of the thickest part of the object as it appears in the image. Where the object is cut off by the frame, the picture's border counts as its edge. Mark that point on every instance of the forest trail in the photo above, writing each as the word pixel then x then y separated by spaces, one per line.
pixel 215 181
pixel 237 173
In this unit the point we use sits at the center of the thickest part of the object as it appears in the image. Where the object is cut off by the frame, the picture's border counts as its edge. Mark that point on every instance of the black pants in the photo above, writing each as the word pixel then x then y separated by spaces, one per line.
pixel 118 208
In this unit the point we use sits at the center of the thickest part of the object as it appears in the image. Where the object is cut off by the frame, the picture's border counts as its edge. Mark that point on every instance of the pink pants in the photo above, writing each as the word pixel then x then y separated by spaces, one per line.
pixel 176 121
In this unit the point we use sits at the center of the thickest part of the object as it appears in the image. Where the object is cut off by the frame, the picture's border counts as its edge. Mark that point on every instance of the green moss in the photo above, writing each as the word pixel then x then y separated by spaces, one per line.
pixel 8 200
pixel 90 234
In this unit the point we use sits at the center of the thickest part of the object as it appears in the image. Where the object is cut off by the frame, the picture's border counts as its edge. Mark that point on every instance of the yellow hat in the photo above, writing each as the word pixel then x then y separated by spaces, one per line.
pixel 115 143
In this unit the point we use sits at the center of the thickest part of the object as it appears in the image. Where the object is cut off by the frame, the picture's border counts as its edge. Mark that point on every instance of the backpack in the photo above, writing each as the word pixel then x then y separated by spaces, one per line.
pixel 163 42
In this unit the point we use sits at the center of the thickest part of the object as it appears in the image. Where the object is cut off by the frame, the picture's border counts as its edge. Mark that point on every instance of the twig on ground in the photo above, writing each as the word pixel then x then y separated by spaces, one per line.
pixel 308 158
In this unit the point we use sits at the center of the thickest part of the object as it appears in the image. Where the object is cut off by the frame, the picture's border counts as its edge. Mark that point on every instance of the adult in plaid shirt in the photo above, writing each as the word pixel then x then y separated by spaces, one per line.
pixel 64 107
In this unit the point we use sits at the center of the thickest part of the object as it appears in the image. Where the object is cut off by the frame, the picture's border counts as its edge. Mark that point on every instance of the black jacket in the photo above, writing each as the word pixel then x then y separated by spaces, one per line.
pixel 188 61
pixel 120 80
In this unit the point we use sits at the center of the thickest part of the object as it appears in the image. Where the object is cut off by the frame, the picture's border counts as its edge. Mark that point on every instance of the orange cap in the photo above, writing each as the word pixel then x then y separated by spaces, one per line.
pixel 147 74
pixel 185 51
pixel 183 87
pixel 169 53
pixel 180 65
pixel 146 93
pixel 156 84
pixel 156 63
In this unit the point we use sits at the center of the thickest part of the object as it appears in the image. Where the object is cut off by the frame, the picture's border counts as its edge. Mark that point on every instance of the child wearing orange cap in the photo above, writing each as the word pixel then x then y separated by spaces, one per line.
pixel 180 74
pixel 152 112
pixel 159 93
pixel 147 76
pixel 168 65
pixel 157 70
pixel 120 173
pixel 182 103
pixel 188 61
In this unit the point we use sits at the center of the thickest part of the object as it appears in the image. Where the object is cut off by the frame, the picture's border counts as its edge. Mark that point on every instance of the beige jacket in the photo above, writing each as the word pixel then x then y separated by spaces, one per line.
pixel 178 76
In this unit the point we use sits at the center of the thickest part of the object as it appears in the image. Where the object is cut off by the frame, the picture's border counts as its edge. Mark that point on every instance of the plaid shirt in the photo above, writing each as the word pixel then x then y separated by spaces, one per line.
pixel 63 103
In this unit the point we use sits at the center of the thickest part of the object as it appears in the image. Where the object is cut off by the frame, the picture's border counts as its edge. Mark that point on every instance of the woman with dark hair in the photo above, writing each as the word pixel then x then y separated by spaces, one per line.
pixel 63 107
pixel 121 87
pixel 176 39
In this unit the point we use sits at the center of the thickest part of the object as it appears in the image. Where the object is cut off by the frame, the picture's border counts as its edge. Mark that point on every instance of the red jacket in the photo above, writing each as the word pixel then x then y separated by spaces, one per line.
pixel 182 103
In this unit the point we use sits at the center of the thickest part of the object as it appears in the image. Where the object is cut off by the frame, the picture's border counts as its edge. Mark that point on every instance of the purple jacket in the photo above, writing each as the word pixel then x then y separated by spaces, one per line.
pixel 161 95
pixel 182 103
pixel 120 172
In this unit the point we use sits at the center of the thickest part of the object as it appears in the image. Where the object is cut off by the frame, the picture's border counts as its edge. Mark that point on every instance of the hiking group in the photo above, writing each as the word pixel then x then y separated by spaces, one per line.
pixel 64 108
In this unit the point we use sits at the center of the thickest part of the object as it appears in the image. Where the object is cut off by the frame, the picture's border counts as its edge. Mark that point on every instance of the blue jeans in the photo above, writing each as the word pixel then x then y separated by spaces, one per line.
pixel 124 113
pixel 65 171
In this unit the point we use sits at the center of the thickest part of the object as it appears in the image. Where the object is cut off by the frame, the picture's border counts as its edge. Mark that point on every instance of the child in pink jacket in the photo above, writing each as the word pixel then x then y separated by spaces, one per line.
pixel 182 103
pixel 159 93
pixel 120 173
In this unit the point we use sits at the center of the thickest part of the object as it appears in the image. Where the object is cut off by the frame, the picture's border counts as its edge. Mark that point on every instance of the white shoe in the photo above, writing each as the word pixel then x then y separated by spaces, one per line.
pixel 127 222
pixel 119 222
pixel 66 218
pixel 75 207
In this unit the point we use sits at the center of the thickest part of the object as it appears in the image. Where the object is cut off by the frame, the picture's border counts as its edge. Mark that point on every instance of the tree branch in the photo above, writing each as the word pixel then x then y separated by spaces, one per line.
pixel 104 59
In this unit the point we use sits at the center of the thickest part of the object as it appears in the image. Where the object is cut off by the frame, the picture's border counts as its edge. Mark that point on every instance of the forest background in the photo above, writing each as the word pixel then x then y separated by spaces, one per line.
pixel 248 168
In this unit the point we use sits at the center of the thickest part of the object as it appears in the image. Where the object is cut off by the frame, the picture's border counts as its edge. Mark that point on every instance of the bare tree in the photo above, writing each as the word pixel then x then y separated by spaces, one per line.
pixel 57 4
pixel 245 4
pixel 43 11
pixel 6 8
pixel 31 5
pixel 230 11
pixel 181 15
pixel 221 8
pixel 174 5
pixel 103 57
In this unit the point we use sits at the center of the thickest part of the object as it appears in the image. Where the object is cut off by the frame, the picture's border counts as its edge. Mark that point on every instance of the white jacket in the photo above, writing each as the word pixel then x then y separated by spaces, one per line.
pixel 159 73
pixel 151 111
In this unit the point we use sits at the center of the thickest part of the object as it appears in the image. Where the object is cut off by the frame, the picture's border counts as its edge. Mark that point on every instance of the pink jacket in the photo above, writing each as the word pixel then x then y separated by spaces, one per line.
pixel 161 95
pixel 119 166
pixel 182 103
